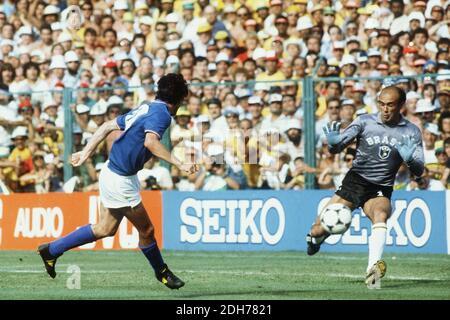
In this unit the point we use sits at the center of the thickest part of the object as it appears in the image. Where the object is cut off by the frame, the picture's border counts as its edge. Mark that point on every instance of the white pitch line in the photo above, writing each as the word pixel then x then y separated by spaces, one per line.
pixel 240 273
pixel 300 255
pixel 302 274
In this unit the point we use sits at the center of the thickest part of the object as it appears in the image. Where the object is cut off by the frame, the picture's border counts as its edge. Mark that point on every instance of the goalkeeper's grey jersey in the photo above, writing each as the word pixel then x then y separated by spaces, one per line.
pixel 377 159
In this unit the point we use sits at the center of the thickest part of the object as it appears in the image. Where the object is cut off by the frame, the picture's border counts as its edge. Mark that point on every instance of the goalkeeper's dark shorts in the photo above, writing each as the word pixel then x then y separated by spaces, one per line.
pixel 358 190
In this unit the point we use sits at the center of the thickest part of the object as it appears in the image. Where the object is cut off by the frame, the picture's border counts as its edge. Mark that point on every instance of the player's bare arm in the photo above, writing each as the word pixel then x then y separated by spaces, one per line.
pixel 79 158
pixel 155 146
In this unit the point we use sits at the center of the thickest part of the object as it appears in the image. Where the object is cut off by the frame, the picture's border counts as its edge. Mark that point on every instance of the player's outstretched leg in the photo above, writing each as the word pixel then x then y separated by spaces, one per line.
pixel 50 252
pixel 315 238
pixel 147 243
pixel 107 226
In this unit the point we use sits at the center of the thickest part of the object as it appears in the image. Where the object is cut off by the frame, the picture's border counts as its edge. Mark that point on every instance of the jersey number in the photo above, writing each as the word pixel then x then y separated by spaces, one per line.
pixel 132 116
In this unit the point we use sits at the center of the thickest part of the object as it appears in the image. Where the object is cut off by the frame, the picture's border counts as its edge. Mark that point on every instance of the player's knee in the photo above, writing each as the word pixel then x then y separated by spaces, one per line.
pixel 380 216
pixel 102 231
pixel 147 233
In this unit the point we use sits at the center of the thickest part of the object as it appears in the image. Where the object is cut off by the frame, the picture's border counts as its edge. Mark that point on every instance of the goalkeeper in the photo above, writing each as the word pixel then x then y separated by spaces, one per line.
pixel 384 141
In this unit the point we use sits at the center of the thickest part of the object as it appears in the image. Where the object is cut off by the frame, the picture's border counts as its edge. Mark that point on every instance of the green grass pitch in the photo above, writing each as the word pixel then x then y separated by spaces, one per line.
pixel 224 275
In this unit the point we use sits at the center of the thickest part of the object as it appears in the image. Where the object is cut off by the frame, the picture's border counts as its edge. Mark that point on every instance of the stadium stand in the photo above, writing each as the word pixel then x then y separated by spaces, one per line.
pixel 246 61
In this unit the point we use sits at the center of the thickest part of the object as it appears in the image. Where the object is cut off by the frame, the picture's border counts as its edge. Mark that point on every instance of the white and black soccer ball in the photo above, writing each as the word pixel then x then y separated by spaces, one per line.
pixel 336 218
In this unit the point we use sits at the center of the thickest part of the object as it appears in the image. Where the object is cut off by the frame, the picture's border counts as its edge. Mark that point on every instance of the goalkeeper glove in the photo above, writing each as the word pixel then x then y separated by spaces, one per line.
pixel 332 133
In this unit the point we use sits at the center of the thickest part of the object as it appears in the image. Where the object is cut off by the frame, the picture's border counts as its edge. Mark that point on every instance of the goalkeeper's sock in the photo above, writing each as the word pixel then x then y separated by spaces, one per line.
pixel 153 255
pixel 77 238
pixel 376 243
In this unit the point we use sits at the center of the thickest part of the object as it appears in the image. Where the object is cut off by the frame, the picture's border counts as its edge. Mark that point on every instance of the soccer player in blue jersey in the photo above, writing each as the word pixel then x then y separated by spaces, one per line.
pixel 384 141
pixel 142 129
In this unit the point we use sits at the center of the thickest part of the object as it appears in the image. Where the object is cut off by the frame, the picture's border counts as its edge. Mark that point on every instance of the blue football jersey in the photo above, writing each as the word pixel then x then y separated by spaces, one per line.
pixel 128 153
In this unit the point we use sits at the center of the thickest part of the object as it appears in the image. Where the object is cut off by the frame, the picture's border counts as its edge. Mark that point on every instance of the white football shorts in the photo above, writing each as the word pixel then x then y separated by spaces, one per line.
pixel 118 191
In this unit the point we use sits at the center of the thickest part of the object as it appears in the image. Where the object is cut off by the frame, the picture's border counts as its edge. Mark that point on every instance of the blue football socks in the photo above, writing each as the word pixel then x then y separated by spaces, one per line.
pixel 77 238
pixel 153 255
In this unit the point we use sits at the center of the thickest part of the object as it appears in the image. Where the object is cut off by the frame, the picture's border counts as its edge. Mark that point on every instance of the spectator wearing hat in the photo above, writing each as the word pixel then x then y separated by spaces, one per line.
pixel 81 115
pixel 110 70
pixel 431 134
pixel 72 62
pixel 180 133
pixel 211 52
pixel 229 16
pixel 255 107
pixel 222 40
pixel 57 69
pixel 275 9
pixel 416 20
pixel 19 161
pixel 358 93
pixel 383 68
pixel 51 14
pixel 214 177
pixel 295 143
pixel 118 10
pixel 97 115
pixel 272 73
pixel 275 119
pixel 222 62
pixel 204 33
pixel 50 113
pixel 374 58
pixel 348 65
pixel 231 114
pixel 443 99
pixel 292 13
pixel 425 111
pixel 348 111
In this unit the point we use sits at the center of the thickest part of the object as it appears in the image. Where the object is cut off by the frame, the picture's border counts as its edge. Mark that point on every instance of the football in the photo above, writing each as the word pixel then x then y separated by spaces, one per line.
pixel 336 218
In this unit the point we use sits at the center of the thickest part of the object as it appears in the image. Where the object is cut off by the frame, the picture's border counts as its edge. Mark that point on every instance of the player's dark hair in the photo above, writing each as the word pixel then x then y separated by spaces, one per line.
pixel 172 88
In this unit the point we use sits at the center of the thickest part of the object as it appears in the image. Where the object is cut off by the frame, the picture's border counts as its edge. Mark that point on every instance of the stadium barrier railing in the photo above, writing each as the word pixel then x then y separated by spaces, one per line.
pixel 305 91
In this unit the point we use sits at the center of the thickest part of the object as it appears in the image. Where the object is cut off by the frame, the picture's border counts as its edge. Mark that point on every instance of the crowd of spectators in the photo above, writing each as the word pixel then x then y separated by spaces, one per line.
pixel 245 61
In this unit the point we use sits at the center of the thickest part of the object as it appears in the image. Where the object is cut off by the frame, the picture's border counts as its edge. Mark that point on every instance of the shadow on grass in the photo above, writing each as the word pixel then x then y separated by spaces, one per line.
pixel 400 284
pixel 259 294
